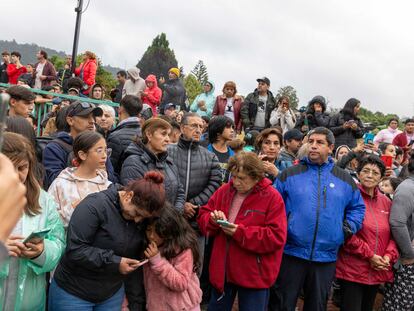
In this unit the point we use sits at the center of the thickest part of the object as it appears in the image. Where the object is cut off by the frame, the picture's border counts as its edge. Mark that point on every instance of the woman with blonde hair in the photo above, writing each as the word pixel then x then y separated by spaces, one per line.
pixel 87 70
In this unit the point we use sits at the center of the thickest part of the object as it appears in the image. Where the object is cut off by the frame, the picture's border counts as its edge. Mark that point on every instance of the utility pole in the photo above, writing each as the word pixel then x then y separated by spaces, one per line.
pixel 78 11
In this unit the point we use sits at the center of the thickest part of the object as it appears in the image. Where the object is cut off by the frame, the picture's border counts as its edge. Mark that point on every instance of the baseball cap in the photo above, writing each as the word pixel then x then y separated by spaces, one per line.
pixel 169 105
pixel 264 79
pixel 82 109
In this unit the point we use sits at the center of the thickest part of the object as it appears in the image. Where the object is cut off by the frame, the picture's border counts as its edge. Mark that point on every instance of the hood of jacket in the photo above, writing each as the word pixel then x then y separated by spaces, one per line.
pixel 65 137
pixel 69 175
pixel 213 87
pixel 153 79
pixel 317 99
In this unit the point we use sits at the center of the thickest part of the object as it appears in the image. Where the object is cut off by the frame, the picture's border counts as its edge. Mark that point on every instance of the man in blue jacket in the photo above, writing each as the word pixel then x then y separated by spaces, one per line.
pixel 80 117
pixel 324 207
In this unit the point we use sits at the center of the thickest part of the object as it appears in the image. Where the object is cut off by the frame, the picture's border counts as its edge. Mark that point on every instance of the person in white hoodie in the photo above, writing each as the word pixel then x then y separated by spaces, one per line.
pixel 89 176
pixel 283 115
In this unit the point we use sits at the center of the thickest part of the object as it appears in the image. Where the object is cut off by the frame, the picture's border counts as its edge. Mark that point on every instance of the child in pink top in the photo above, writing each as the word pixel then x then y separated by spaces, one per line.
pixel 171 282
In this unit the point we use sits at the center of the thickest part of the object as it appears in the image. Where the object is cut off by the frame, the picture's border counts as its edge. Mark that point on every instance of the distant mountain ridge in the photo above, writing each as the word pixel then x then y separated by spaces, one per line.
pixel 29 51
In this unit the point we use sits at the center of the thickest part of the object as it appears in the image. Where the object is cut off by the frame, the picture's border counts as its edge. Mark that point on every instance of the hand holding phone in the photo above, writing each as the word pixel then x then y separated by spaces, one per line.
pixel 36 236
pixel 225 223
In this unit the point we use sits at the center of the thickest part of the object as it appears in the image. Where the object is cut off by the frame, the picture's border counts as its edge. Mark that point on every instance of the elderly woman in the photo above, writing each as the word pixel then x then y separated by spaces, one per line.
pixel 247 219
pixel 268 145
pixel 229 104
pixel 150 153
pixel 366 259
pixel 106 121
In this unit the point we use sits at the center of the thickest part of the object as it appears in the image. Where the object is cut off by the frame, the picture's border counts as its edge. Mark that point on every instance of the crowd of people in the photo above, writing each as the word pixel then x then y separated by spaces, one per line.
pixel 161 204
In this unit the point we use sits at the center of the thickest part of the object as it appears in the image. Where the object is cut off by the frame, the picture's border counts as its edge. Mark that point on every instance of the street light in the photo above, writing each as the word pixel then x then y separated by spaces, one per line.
pixel 78 11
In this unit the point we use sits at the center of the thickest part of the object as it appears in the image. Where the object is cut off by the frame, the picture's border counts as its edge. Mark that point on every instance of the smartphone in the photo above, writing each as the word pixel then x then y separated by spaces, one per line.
pixel 387 160
pixel 224 223
pixel 37 235
pixel 411 142
pixel 351 121
pixel 369 138
pixel 4 104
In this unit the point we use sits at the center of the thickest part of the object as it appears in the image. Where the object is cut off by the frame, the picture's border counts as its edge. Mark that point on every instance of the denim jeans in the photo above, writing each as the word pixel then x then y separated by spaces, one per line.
pixel 249 299
pixel 60 300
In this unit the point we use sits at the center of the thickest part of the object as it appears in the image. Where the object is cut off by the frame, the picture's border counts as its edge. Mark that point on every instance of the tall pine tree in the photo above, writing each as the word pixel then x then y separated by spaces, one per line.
pixel 158 58
pixel 200 72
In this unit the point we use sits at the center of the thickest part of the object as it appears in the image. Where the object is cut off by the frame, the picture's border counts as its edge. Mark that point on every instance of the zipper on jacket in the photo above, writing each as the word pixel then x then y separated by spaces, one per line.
pixel 376 231
pixel 259 264
pixel 324 197
pixel 253 211
pixel 187 174
pixel 317 213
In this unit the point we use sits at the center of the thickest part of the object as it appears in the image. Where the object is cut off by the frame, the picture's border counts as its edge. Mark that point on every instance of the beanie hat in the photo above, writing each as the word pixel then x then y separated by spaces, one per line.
pixel 175 71
pixel 293 134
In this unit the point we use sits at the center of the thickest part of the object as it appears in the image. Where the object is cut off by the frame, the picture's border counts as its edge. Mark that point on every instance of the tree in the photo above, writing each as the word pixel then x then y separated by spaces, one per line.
pixel 158 58
pixel 290 92
pixel 192 86
pixel 200 72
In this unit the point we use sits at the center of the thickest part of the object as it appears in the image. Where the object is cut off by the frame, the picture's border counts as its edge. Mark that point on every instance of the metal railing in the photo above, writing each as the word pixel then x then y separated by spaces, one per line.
pixel 42 109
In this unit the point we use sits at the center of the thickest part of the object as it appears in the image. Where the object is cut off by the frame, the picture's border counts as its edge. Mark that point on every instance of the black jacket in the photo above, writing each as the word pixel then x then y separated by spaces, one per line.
pixel 98 236
pixel 199 170
pixel 313 119
pixel 119 139
pixel 249 109
pixel 345 136
pixel 139 160
pixel 173 92
pixel 4 77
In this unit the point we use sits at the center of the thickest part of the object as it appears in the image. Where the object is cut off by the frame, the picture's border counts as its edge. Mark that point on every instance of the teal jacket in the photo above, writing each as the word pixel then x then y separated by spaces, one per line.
pixel 31 284
pixel 209 99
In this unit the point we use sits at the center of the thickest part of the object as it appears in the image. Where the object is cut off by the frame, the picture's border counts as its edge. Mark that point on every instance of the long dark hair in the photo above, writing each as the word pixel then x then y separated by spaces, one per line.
pixel 84 142
pixel 348 110
pixel 177 234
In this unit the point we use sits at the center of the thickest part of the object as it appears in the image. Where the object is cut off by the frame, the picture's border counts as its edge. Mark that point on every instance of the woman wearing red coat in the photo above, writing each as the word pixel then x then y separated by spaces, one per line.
pixel 87 70
pixel 366 259
pixel 229 104
pixel 152 94
pixel 248 245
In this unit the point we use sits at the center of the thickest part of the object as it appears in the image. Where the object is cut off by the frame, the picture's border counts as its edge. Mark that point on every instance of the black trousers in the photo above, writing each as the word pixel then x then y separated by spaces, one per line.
pixel 357 296
pixel 295 274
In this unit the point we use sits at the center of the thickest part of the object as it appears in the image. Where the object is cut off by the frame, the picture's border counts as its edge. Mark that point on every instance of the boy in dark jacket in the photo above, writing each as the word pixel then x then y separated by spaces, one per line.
pixel 314 116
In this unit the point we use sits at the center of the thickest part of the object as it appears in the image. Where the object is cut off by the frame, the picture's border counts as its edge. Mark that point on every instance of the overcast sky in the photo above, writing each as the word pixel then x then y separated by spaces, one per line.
pixel 339 49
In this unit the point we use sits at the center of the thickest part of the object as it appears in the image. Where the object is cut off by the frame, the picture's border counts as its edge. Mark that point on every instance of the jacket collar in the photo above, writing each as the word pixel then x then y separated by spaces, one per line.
pixel 365 194
pixel 329 163
pixel 260 185
pixel 148 156
pixel 187 144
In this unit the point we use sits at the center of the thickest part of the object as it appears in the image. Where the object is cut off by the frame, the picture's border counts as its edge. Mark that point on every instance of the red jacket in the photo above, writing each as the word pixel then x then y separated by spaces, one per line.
pixel 220 107
pixel 89 72
pixel 14 73
pixel 154 94
pixel 251 257
pixel 401 141
pixel 374 238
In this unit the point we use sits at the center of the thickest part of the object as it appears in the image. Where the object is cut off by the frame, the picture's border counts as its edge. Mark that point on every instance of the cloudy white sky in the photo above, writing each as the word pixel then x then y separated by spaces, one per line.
pixel 339 49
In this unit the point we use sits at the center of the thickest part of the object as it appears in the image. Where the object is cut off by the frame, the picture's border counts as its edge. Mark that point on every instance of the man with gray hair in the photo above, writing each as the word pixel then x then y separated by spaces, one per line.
pixel 323 207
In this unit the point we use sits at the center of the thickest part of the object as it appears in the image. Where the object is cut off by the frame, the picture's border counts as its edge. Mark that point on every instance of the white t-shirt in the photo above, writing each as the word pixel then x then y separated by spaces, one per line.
pixel 39 71
pixel 229 111
pixel 260 120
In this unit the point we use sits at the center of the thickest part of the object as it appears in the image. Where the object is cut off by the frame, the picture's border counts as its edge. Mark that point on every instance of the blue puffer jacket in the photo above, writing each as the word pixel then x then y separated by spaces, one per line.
pixel 323 206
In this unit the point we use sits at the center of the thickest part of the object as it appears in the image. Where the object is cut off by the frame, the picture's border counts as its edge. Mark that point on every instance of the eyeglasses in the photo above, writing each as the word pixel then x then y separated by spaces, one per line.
pixel 195 126
pixel 368 172
pixel 101 151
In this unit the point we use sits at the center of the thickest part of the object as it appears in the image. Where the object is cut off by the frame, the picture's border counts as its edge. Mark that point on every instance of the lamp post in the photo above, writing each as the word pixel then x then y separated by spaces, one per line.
pixel 78 11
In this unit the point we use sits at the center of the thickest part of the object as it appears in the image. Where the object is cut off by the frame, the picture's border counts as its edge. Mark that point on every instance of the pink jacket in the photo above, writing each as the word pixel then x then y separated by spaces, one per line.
pixel 172 286
pixel 386 136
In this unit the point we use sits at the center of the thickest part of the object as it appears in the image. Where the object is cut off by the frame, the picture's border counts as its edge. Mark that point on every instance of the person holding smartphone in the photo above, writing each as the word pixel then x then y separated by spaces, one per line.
pixel 248 248
pixel 105 243
pixel 23 274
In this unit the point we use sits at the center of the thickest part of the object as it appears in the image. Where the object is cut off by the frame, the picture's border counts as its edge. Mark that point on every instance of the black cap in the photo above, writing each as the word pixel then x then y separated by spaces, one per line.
pixel 83 109
pixel 169 105
pixel 264 79
pixel 293 134
pixel 20 93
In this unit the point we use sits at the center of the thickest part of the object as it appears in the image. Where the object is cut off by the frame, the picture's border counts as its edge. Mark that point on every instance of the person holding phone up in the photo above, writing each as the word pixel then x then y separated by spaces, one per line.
pixel 105 243
pixel 346 125
pixel 23 274
pixel 248 248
